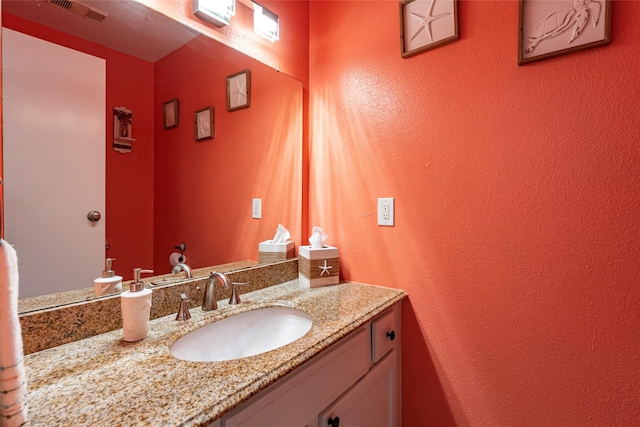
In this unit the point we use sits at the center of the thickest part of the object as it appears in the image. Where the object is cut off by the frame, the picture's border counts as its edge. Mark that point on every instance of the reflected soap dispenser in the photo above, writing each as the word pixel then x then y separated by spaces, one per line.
pixel 109 283
pixel 136 307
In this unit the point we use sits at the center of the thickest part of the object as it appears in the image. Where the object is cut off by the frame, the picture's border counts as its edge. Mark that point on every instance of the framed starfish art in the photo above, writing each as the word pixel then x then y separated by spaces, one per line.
pixel 552 28
pixel 427 24
pixel 239 90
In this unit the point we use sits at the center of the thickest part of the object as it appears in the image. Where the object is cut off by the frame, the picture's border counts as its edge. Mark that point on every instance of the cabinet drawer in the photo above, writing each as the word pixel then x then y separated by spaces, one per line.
pixel 385 333
pixel 301 395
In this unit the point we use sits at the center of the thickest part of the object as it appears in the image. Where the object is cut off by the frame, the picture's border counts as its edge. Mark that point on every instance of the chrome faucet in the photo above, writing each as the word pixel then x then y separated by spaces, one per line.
pixel 209 301
pixel 184 267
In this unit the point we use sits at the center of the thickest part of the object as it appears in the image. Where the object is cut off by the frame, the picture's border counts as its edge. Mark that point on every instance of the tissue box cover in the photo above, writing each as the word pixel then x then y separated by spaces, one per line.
pixel 271 252
pixel 318 266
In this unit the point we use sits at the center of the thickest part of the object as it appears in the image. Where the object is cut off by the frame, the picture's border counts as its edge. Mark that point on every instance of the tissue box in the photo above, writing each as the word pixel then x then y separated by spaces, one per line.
pixel 318 266
pixel 271 252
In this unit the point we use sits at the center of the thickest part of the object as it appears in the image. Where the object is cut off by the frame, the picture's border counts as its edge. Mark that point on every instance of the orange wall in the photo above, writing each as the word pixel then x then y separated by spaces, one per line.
pixel 204 189
pixel 129 178
pixel 517 196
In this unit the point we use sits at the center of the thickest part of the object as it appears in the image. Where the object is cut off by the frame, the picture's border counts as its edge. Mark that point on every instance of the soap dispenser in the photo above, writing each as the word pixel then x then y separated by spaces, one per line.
pixel 136 307
pixel 109 283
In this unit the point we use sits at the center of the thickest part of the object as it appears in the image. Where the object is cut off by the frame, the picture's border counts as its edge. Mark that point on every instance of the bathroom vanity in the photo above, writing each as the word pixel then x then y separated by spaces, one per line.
pixel 347 366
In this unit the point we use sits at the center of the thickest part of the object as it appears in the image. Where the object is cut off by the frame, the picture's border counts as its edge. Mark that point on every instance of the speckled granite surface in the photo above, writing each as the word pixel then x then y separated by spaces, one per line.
pixel 105 381
pixel 48 328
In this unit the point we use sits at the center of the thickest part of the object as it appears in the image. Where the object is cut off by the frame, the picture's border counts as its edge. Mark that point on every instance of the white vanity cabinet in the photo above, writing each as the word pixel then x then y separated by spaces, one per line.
pixel 355 382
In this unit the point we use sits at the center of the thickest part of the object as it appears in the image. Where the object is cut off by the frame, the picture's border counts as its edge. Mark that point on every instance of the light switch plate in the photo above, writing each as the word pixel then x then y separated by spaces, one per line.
pixel 256 209
pixel 386 211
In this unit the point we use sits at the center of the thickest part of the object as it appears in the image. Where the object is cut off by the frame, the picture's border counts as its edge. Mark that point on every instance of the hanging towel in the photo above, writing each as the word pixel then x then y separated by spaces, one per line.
pixel 13 378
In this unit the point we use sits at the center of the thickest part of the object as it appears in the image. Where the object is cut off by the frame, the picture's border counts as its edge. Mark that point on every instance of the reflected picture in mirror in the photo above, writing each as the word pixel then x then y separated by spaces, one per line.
pixel 170 188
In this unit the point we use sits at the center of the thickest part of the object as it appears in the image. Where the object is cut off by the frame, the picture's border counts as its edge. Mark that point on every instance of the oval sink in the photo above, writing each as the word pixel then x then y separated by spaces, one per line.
pixel 243 335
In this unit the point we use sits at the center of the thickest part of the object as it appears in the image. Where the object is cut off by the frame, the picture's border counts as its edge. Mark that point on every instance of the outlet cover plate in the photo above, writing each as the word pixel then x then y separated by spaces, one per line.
pixel 386 212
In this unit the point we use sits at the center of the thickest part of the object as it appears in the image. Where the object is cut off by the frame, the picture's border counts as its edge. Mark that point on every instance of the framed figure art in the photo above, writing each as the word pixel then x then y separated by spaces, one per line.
pixel 204 124
pixel 427 24
pixel 552 28
pixel 170 113
pixel 239 90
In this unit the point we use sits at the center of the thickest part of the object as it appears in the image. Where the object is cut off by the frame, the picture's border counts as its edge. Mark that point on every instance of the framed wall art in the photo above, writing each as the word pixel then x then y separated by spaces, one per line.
pixel 239 90
pixel 427 24
pixel 551 28
pixel 170 111
pixel 204 124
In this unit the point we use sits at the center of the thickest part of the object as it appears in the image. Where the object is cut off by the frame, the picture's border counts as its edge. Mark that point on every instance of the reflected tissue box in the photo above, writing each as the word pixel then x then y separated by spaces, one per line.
pixel 318 266
pixel 272 252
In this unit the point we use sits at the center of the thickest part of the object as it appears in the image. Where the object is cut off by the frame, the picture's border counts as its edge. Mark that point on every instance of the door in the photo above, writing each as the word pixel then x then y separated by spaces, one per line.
pixel 54 101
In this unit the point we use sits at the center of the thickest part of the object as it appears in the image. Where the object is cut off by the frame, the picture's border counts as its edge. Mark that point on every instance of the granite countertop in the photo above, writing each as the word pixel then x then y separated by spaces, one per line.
pixel 104 381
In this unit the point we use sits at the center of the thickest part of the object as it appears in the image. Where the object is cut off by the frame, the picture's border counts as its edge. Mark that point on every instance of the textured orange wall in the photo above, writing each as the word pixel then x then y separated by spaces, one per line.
pixel 203 189
pixel 129 177
pixel 517 209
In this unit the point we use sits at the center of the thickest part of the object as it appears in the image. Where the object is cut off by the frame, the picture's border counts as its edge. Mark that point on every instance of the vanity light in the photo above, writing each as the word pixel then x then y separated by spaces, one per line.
pixel 265 22
pixel 218 12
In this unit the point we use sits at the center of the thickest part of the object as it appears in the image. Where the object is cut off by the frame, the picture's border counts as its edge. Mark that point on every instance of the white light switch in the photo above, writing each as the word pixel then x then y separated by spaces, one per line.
pixel 256 210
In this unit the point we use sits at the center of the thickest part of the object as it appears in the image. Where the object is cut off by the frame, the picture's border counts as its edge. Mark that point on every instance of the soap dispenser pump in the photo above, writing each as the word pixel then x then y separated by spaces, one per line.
pixel 109 283
pixel 136 307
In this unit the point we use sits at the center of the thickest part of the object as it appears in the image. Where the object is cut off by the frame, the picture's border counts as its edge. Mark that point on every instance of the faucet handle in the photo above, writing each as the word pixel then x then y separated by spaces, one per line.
pixel 183 311
pixel 235 296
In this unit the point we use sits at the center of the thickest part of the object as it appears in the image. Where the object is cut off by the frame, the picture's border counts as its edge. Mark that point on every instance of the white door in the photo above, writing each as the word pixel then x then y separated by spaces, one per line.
pixel 54 101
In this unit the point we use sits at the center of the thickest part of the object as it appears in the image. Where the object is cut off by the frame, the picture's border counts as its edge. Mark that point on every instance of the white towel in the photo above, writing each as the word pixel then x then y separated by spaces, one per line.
pixel 13 378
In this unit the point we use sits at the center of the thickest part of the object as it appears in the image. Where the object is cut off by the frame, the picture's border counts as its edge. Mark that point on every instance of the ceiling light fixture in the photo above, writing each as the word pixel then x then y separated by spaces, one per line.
pixel 265 22
pixel 218 12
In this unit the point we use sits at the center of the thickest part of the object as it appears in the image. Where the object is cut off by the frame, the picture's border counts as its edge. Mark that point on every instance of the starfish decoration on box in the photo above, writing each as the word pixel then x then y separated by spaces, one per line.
pixel 427 20
pixel 325 268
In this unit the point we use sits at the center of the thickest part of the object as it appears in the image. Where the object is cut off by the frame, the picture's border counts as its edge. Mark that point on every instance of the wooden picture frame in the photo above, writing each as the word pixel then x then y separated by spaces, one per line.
pixel 171 113
pixel 427 24
pixel 551 28
pixel 204 124
pixel 239 90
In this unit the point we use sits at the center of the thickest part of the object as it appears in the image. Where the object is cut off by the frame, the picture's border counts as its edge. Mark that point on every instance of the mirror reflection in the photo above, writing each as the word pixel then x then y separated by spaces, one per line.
pixel 169 188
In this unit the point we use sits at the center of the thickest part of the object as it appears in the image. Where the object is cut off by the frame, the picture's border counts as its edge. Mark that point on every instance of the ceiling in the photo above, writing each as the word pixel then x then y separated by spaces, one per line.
pixel 130 27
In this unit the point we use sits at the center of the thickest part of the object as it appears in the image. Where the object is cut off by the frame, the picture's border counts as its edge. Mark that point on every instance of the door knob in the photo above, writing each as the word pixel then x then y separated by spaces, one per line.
pixel 94 216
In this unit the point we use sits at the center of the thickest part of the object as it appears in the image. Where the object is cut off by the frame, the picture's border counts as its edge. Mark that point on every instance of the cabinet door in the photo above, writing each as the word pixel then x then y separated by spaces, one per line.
pixel 370 402
pixel 299 397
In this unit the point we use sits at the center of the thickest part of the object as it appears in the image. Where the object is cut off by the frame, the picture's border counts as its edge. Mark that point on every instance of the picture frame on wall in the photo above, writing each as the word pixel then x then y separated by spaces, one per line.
pixel 170 113
pixel 551 28
pixel 239 90
pixel 204 124
pixel 427 24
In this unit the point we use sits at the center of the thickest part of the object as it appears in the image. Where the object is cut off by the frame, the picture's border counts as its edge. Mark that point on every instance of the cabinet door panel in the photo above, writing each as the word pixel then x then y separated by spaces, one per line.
pixel 302 395
pixel 371 401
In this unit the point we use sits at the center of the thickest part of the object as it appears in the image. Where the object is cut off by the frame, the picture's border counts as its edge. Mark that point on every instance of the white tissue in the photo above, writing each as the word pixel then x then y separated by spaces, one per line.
pixel 177 257
pixel 282 235
pixel 318 237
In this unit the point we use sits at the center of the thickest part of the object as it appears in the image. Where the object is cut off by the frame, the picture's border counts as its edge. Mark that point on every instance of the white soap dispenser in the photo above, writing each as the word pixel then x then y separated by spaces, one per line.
pixel 109 283
pixel 136 307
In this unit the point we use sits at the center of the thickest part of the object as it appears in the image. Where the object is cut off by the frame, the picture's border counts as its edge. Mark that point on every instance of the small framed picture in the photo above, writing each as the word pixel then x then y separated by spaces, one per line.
pixel 427 24
pixel 204 124
pixel 553 28
pixel 239 90
pixel 170 111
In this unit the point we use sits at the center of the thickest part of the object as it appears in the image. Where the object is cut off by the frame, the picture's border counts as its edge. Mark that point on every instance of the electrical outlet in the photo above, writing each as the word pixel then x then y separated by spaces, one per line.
pixel 256 209
pixel 385 211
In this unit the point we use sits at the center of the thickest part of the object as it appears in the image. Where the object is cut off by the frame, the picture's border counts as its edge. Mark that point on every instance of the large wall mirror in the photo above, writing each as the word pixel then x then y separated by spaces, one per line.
pixel 173 186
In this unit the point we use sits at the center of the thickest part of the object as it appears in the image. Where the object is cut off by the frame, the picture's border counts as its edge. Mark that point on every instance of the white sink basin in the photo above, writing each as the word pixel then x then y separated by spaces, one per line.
pixel 243 335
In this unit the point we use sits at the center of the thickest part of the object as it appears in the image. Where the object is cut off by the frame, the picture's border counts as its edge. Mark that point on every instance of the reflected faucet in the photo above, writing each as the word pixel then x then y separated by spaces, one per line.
pixel 209 301
pixel 184 267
